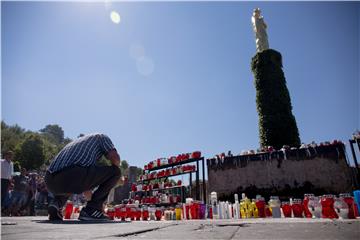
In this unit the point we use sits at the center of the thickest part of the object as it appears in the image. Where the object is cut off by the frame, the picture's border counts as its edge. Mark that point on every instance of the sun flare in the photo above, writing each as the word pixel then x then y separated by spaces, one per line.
pixel 115 17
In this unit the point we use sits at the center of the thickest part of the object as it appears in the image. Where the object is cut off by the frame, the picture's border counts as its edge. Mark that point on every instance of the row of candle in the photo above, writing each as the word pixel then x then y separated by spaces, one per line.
pixel 168 172
pixel 326 206
pixel 158 185
pixel 173 159
pixel 269 149
pixel 191 210
pixel 158 198
pixel 310 208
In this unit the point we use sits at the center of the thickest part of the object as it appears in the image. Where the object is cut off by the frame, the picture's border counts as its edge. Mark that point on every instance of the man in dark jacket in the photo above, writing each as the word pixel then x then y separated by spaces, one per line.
pixel 74 170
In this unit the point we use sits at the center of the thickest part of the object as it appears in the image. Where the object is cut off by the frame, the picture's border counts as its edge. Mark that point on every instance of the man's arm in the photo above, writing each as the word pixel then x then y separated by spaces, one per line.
pixel 114 157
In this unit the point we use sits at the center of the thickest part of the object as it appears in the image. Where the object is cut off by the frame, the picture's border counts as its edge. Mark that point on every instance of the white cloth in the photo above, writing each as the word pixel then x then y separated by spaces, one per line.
pixel 7 169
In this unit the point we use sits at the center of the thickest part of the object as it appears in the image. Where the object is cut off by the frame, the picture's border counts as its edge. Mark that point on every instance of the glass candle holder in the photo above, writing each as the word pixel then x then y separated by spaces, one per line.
pixel 286 208
pixel 297 208
pixel 350 202
pixel 314 207
pixel 307 212
pixel 260 204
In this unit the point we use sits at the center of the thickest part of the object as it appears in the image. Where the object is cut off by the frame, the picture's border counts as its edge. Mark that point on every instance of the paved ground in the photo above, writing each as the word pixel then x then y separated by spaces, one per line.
pixel 39 228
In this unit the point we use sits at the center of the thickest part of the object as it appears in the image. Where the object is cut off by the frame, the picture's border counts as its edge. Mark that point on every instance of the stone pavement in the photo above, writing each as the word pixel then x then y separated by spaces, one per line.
pixel 39 228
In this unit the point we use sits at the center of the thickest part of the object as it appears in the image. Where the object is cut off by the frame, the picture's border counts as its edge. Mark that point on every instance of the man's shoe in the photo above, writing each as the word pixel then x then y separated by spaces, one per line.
pixel 90 214
pixel 54 213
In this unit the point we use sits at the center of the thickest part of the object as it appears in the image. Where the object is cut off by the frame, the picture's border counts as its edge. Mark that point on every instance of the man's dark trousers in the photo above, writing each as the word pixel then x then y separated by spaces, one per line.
pixel 4 190
pixel 76 179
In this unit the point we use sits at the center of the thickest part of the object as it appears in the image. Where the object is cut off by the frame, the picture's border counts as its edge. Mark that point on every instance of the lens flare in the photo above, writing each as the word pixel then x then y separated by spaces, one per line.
pixel 145 66
pixel 115 17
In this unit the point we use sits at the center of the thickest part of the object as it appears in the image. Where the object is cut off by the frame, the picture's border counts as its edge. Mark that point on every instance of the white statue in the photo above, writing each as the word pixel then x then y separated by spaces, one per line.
pixel 259 27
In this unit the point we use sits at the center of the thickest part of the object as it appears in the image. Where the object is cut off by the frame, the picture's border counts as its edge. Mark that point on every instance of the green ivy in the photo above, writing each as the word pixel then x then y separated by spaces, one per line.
pixel 277 124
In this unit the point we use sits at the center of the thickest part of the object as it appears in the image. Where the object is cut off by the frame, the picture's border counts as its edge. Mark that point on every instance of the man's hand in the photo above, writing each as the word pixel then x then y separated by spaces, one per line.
pixel 114 157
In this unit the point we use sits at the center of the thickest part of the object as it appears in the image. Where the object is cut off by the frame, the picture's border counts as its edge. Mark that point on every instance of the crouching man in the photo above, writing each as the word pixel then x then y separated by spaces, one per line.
pixel 73 171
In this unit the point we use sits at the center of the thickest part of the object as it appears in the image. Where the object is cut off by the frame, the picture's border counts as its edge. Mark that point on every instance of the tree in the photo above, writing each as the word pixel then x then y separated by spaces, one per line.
pixel 50 151
pixel 277 125
pixel 53 133
pixel 10 136
pixel 124 164
pixel 30 152
pixel 139 172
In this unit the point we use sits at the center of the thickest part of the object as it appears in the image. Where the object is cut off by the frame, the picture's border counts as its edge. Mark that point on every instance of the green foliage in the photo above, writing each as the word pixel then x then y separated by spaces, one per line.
pixel 30 153
pixel 53 133
pixel 277 124
pixel 10 136
pixel 50 151
pixel 139 172
pixel 124 164
pixel 16 139
pixel 17 167
pixel 34 150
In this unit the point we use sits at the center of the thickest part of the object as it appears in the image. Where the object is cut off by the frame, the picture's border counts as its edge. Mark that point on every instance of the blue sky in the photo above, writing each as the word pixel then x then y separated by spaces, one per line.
pixel 69 64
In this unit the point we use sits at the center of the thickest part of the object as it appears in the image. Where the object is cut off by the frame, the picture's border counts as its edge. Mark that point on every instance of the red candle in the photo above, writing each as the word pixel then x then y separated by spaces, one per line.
pixel 305 204
pixel 158 214
pixel 111 213
pixel 267 211
pixel 196 154
pixel 145 214
pixel 123 213
pixel 327 204
pixel 297 208
pixel 286 207
pixel 194 210
pixel 171 199
pixel 138 214
pixel 132 214
pixel 118 212
pixel 350 202
pixel 68 209
pixel 210 213
pixel 128 211
pixel 260 204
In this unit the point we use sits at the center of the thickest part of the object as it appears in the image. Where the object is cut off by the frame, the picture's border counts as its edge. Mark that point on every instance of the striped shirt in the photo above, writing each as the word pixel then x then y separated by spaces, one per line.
pixel 84 151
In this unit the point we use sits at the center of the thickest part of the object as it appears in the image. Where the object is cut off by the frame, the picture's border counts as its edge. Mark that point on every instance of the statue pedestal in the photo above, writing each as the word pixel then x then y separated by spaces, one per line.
pixel 277 125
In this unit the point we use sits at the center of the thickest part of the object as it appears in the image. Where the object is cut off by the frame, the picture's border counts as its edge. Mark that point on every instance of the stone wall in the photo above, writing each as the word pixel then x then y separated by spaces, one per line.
pixel 322 169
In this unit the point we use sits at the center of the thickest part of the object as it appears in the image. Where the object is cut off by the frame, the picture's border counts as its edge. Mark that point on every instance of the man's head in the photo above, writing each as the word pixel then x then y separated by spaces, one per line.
pixel 8 155
pixel 113 156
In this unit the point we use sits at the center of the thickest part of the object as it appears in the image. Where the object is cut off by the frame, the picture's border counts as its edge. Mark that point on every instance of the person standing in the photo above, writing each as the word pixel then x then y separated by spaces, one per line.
pixel 7 170
pixel 20 192
pixel 74 171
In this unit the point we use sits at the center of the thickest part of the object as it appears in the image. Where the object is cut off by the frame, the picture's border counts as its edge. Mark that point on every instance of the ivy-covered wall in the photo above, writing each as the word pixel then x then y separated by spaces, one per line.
pixel 277 125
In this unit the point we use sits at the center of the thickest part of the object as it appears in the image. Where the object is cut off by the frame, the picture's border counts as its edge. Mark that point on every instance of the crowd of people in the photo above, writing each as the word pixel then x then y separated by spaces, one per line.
pixel 25 193
pixel 21 193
